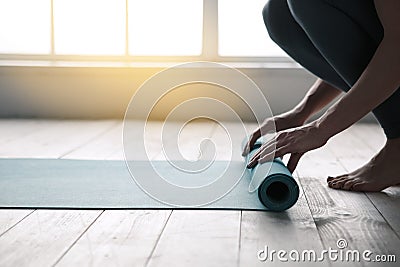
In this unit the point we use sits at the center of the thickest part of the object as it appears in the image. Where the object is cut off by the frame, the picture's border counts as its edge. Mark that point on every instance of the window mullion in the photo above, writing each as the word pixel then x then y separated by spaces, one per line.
pixel 126 30
pixel 210 30
pixel 52 51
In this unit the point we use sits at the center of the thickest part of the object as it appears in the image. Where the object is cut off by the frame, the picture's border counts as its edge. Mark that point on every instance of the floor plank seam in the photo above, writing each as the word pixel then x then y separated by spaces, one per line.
pixel 40 129
pixel 77 239
pixel 15 137
pixel 387 222
pixel 15 224
pixel 362 140
pixel 158 239
pixel 309 208
pixel 240 237
pixel 324 245
pixel 91 139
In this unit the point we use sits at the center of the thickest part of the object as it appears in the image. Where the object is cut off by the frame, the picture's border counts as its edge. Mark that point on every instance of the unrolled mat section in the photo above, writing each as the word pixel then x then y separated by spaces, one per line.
pixel 103 184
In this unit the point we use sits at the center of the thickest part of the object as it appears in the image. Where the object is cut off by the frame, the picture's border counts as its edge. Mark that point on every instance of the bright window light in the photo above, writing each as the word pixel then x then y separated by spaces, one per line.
pixel 165 27
pixel 25 26
pixel 89 27
pixel 241 29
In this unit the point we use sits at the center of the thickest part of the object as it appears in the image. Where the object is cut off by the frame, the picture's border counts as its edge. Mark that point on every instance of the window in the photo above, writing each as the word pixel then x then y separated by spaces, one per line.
pixel 25 26
pixel 135 30
pixel 241 30
pixel 89 27
pixel 165 27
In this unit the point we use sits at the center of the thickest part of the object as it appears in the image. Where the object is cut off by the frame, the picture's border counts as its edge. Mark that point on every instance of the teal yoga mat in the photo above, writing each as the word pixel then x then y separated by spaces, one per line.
pixel 277 189
pixel 100 184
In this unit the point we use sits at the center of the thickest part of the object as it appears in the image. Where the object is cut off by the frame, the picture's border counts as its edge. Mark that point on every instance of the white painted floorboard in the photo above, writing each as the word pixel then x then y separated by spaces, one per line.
pixel 192 237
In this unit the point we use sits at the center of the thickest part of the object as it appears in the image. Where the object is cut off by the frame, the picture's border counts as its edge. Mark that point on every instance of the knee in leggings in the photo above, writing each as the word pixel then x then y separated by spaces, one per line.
pixel 300 9
pixel 274 20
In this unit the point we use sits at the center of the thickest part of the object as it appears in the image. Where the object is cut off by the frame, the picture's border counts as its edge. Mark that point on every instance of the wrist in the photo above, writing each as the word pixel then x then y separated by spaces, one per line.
pixel 320 94
pixel 299 115
pixel 324 131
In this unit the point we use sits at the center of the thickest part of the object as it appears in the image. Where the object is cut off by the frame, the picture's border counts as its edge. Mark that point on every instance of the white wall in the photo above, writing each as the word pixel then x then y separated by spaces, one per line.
pixel 104 92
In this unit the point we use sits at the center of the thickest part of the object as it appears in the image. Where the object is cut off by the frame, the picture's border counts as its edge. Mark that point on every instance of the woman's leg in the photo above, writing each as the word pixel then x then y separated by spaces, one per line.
pixel 347 34
pixel 335 40
pixel 284 30
pixel 288 34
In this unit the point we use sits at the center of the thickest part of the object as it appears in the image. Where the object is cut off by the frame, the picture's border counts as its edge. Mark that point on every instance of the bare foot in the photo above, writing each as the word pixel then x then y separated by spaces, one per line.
pixel 382 171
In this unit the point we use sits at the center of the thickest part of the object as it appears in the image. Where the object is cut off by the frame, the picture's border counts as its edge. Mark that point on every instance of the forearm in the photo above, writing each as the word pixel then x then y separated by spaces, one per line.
pixel 379 80
pixel 319 95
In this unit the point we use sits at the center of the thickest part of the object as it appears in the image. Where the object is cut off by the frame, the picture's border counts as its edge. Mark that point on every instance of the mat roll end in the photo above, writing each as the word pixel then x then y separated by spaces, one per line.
pixel 278 192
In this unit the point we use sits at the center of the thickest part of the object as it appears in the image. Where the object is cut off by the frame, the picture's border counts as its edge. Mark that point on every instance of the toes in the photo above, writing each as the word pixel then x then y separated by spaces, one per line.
pixel 330 178
pixel 331 183
pixel 359 186
pixel 338 182
pixel 349 184
pixel 334 184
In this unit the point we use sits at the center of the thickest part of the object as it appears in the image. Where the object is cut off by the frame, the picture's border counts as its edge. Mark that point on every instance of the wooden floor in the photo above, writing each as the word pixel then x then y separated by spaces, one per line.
pixel 193 238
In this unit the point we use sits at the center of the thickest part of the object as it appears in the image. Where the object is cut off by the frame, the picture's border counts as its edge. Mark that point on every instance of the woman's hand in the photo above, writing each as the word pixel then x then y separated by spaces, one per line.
pixel 295 141
pixel 317 97
pixel 278 123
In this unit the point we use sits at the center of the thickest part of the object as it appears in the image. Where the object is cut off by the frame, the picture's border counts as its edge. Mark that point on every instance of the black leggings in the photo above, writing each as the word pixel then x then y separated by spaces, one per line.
pixel 335 40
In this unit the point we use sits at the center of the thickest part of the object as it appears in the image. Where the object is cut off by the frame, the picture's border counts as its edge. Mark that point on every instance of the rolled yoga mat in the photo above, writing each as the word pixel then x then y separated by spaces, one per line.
pixel 276 187
pixel 103 184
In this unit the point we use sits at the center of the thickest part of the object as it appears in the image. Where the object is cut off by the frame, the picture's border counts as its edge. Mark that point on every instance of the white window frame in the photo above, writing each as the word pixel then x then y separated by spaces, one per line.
pixel 209 46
